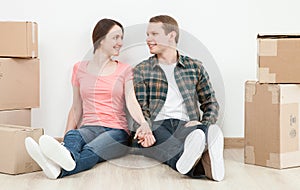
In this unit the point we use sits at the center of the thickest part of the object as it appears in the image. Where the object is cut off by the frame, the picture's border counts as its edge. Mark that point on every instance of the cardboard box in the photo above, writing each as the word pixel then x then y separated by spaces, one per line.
pixel 19 83
pixel 18 39
pixel 278 58
pixel 16 117
pixel 14 158
pixel 272 124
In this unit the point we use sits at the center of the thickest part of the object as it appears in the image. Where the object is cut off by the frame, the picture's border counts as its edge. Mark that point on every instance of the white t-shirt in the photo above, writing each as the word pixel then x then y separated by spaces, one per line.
pixel 174 106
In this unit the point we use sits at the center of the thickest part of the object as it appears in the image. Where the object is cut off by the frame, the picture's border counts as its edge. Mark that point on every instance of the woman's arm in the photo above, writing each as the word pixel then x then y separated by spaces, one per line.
pixel 132 104
pixel 143 133
pixel 75 112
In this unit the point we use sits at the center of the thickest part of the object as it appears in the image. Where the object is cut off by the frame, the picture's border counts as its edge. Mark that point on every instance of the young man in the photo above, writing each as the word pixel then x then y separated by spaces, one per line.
pixel 169 87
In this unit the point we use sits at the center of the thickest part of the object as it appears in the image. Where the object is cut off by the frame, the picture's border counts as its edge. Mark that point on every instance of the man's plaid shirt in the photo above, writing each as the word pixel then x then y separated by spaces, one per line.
pixel 151 88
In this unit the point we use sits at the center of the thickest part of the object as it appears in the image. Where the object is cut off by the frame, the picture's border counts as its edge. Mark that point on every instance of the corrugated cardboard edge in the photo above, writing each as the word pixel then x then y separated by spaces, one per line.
pixel 250 90
pixel 267 47
pixel 32 39
pixel 265 76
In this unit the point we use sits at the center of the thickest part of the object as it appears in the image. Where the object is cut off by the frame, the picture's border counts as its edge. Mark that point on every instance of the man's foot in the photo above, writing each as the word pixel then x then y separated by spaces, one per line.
pixel 212 160
pixel 194 145
pixel 50 169
pixel 57 152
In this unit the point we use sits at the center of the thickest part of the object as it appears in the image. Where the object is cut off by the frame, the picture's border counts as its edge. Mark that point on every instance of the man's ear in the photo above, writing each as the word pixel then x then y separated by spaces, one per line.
pixel 172 35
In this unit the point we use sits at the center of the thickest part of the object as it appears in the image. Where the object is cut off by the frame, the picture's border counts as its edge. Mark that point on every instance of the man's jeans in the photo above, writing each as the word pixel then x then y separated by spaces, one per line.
pixel 170 135
pixel 93 144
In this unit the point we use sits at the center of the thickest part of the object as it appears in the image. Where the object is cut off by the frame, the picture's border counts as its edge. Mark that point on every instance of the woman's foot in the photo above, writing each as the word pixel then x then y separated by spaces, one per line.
pixel 57 152
pixel 50 169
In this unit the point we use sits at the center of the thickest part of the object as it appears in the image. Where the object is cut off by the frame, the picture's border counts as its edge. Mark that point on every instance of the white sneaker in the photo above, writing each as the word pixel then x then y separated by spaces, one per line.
pixel 57 152
pixel 50 169
pixel 213 160
pixel 194 145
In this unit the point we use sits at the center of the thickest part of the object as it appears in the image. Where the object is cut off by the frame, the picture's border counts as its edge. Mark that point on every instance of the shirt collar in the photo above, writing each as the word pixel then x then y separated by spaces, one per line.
pixel 180 60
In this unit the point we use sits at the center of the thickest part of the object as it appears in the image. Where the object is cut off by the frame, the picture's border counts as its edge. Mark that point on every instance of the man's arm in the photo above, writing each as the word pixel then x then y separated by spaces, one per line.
pixel 206 95
pixel 140 89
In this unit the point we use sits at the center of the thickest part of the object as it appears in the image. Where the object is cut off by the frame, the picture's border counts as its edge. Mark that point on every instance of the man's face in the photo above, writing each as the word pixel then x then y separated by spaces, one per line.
pixel 157 40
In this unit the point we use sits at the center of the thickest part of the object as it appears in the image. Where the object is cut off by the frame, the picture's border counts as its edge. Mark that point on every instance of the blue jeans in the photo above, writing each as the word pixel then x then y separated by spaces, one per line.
pixel 170 135
pixel 101 144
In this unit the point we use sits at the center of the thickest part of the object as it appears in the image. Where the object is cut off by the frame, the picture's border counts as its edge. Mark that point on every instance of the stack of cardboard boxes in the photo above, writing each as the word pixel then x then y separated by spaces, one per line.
pixel 272 104
pixel 19 92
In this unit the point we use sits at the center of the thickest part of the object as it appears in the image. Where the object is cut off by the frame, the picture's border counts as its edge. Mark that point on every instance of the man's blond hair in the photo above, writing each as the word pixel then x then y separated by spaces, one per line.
pixel 169 24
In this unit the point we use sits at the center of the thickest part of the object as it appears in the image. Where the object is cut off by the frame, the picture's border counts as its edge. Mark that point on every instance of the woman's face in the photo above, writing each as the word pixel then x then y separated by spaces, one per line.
pixel 112 42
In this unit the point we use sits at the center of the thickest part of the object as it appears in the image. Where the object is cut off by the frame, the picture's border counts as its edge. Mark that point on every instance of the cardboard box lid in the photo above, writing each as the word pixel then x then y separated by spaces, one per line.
pixel 277 36
pixel 7 127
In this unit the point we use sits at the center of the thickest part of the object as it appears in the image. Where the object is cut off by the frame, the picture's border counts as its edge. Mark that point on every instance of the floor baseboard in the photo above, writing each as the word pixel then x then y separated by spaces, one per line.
pixel 233 142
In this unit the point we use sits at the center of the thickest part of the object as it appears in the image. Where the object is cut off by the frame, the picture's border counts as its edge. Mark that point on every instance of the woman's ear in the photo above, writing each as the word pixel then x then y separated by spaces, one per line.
pixel 101 42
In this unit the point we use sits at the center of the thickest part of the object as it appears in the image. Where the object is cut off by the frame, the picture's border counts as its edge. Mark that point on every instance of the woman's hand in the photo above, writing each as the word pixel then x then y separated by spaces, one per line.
pixel 144 135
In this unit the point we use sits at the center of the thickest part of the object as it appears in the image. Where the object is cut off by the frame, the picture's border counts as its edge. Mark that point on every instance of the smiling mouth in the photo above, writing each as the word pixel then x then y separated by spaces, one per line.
pixel 151 45
pixel 117 48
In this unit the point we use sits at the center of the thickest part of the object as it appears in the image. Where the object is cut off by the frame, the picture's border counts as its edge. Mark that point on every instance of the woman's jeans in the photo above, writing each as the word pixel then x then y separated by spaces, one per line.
pixel 90 145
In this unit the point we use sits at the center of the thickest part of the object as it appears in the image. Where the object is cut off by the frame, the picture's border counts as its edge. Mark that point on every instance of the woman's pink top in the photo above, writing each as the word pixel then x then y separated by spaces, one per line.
pixel 103 97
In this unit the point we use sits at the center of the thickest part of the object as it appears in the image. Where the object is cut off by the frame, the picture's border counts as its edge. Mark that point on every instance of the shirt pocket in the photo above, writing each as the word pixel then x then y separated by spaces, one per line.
pixel 189 78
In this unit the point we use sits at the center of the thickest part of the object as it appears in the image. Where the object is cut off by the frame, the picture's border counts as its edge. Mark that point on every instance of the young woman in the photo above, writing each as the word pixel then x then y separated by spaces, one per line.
pixel 101 89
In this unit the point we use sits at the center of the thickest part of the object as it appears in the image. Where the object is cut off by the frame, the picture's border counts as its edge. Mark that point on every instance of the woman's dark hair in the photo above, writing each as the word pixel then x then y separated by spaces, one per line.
pixel 101 29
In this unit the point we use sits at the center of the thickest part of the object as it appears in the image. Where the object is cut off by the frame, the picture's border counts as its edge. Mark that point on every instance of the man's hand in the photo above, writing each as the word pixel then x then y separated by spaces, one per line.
pixel 144 135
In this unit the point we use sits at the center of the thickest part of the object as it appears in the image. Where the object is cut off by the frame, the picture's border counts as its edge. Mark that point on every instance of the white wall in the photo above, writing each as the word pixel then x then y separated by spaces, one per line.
pixel 227 28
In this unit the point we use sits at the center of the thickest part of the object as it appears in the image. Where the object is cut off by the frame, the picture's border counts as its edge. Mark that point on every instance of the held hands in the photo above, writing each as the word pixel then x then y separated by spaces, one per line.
pixel 192 123
pixel 144 135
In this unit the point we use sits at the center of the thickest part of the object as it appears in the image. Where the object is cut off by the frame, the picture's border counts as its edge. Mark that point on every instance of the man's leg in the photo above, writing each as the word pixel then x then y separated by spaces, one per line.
pixel 194 145
pixel 212 159
pixel 167 148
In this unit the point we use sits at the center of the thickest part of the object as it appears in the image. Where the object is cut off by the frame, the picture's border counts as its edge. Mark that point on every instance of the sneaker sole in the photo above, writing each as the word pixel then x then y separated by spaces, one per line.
pixel 216 146
pixel 36 154
pixel 193 149
pixel 57 152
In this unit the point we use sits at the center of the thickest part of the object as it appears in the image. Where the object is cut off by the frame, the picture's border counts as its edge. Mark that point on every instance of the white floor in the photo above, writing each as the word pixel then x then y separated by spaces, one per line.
pixel 116 175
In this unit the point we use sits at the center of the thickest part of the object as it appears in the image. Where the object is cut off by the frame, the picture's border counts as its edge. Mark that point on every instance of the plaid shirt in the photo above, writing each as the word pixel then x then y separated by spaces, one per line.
pixel 151 88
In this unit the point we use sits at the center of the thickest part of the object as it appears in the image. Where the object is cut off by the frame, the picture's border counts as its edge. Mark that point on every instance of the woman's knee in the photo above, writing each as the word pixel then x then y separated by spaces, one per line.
pixel 72 132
